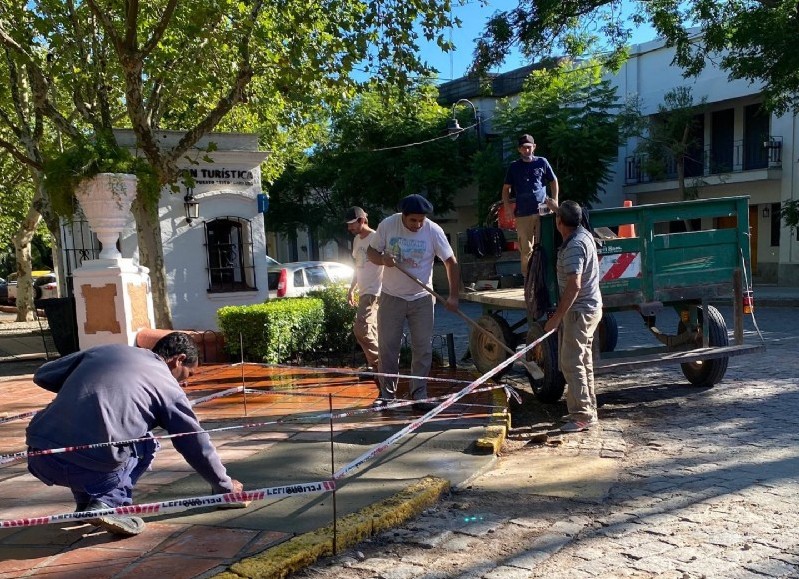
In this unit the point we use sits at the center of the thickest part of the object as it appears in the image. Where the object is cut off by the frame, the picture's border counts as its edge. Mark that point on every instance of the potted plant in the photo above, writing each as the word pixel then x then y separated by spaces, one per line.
pixel 104 178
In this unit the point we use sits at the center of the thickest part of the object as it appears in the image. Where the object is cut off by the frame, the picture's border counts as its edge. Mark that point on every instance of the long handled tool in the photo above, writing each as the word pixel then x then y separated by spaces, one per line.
pixel 533 369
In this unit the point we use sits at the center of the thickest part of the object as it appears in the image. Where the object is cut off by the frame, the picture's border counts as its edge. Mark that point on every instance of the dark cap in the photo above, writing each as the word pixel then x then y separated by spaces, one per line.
pixel 353 214
pixel 415 204
pixel 526 140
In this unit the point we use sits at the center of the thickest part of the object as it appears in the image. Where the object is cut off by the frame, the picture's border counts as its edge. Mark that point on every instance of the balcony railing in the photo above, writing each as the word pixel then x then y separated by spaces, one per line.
pixel 735 158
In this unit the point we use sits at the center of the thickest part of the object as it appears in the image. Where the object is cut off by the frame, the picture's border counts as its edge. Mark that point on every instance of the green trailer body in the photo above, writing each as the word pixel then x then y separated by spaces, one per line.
pixel 648 271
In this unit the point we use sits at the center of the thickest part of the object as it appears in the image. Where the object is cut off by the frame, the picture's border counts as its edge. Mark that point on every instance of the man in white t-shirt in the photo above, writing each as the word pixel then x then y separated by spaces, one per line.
pixel 367 280
pixel 411 240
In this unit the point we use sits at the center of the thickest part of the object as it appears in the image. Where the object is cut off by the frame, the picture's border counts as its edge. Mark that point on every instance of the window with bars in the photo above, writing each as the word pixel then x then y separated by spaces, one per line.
pixel 229 249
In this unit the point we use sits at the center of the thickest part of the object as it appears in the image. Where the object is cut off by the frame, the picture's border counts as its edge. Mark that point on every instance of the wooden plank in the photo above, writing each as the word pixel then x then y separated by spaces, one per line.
pixel 635 361
pixel 509 299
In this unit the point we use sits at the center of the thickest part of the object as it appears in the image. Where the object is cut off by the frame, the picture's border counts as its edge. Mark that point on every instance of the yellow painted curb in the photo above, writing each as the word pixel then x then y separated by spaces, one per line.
pixel 300 552
pixel 498 425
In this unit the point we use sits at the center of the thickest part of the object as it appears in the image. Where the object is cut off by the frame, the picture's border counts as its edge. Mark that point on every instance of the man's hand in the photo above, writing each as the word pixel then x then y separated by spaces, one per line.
pixel 552 324
pixel 451 304
pixel 237 488
pixel 351 297
pixel 388 260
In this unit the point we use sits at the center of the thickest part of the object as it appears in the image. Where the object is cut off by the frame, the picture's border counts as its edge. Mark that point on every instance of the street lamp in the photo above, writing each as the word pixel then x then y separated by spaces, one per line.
pixel 191 206
pixel 453 127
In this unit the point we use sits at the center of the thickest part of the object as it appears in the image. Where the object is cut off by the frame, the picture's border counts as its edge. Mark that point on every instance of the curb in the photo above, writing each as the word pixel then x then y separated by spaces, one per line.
pixel 303 550
pixel 497 428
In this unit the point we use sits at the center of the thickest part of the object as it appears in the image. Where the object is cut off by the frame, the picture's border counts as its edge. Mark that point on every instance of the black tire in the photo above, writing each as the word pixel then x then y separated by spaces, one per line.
pixel 486 353
pixel 706 373
pixel 550 388
pixel 607 333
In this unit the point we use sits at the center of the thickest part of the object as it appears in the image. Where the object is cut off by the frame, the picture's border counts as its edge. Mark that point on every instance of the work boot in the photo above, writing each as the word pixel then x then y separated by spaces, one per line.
pixel 121 525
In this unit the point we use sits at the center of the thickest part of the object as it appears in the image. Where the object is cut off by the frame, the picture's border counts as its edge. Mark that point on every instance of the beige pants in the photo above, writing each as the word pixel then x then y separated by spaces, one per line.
pixel 577 363
pixel 527 230
pixel 365 327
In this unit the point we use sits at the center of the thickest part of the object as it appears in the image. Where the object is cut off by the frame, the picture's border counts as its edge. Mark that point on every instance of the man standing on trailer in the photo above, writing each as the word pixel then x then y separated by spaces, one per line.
pixel 578 314
pixel 527 178
pixel 409 239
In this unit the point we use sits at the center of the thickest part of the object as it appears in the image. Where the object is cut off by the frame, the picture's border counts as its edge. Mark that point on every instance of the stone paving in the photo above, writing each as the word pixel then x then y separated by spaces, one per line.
pixel 700 483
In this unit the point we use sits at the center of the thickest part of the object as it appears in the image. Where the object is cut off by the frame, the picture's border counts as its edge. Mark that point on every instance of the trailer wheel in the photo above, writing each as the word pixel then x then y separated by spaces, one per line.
pixel 487 353
pixel 607 333
pixel 708 372
pixel 550 388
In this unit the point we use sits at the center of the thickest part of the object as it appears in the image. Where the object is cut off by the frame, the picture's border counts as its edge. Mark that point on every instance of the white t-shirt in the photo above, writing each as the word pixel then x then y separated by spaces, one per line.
pixel 368 276
pixel 413 251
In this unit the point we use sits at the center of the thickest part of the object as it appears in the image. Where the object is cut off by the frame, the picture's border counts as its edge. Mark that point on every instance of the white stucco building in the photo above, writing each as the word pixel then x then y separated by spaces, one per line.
pixel 217 259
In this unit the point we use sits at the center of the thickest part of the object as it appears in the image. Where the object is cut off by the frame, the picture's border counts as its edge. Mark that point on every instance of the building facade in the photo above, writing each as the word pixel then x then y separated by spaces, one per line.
pixel 215 260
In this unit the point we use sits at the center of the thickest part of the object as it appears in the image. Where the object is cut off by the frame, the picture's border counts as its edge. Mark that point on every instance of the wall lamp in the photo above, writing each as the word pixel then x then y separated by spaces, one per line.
pixel 766 212
pixel 191 206
pixel 453 127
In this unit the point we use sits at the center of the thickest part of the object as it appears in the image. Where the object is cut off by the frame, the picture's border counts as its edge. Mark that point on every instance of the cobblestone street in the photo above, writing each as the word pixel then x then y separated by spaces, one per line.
pixel 677 482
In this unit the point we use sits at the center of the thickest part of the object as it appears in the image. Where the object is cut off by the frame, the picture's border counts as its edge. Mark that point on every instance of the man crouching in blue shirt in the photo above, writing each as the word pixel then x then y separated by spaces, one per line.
pixel 118 392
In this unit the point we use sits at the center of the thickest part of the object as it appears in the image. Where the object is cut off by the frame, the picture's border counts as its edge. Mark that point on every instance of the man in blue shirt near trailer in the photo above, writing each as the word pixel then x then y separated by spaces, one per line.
pixel 527 179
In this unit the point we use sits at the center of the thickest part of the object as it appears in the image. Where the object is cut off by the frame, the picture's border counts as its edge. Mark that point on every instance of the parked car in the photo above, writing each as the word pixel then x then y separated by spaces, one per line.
pixel 48 288
pixel 3 291
pixel 294 279
pixel 45 287
pixel 270 261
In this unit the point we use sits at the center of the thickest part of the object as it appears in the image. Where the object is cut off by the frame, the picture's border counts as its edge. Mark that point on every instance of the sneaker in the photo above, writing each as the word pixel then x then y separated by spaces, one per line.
pixel 364 376
pixel 578 425
pixel 381 403
pixel 115 524
pixel 565 418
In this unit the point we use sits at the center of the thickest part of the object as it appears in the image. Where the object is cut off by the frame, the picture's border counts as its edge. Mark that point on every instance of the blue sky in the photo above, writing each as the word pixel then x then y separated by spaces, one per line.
pixel 473 15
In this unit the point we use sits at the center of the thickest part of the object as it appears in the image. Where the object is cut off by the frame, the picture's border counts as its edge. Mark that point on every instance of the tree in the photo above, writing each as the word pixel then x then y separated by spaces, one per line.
pixel 377 150
pixel 669 137
pixel 186 66
pixel 571 113
pixel 753 40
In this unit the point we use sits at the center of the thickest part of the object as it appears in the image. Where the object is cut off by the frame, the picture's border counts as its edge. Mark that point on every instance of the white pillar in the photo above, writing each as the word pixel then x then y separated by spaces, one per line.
pixel 113 298
pixel 113 301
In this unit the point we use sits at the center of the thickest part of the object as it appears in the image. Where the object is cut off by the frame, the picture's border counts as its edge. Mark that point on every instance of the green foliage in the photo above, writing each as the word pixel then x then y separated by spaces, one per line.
pixel 378 149
pixel 571 113
pixel 64 171
pixel 489 171
pixel 789 212
pixel 754 41
pixel 670 138
pixel 275 331
pixel 339 316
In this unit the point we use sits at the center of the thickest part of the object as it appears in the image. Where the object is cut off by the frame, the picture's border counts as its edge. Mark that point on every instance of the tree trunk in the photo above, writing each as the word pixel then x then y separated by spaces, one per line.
pixel 151 255
pixel 22 249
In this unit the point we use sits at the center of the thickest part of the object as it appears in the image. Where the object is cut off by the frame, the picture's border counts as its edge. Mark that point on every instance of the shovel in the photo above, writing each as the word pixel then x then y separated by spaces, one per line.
pixel 531 368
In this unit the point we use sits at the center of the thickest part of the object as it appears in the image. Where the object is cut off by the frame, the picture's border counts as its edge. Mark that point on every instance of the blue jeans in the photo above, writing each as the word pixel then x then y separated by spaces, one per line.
pixel 114 488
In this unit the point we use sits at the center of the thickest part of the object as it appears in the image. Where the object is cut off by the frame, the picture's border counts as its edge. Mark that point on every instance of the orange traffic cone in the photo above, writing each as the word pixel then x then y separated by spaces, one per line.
pixel 628 229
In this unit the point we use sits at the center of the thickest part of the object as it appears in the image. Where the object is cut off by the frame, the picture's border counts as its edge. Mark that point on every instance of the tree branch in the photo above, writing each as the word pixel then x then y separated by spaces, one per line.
pixel 160 29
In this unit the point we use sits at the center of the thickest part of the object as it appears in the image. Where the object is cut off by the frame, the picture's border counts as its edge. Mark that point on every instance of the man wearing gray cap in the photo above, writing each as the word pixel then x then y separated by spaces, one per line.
pixel 367 280
pixel 527 178
pixel 409 239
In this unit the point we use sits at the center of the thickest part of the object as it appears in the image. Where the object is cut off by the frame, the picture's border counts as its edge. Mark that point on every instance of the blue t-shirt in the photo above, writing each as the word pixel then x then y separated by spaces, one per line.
pixel 528 182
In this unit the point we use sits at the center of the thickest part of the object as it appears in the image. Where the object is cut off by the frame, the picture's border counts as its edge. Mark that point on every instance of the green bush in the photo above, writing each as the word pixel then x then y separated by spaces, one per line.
pixel 275 331
pixel 339 318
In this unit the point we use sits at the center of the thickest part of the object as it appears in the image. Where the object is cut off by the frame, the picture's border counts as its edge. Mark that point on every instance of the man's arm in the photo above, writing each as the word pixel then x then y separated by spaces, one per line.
pixel 573 284
pixel 554 189
pixel 454 279
pixel 378 258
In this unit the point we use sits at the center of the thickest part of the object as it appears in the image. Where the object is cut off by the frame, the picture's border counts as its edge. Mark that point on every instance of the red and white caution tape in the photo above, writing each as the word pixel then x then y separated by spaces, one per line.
pixel 179 505
pixel 368 455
